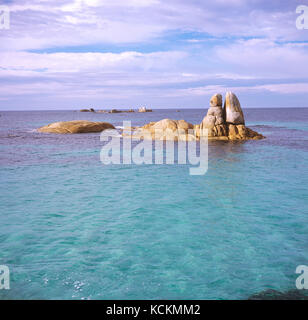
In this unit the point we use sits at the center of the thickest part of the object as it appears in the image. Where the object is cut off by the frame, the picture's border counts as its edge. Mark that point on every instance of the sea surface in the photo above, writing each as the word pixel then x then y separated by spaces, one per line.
pixel 73 228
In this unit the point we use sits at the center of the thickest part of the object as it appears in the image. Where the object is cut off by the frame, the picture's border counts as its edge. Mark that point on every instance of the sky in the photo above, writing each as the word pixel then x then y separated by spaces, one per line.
pixel 72 54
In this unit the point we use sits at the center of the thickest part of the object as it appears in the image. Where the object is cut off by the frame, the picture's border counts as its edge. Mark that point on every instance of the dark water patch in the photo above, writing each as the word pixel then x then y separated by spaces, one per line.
pixel 271 294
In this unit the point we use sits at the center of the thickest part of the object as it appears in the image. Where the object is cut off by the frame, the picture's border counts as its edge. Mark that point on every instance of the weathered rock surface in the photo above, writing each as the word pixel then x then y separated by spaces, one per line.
pixel 216 100
pixel 173 125
pixel 166 129
pixel 214 120
pixel 241 132
pixel 76 126
pixel 233 112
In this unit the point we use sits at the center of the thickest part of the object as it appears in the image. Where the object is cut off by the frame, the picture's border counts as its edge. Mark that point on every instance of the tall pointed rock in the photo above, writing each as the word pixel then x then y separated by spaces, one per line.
pixel 233 112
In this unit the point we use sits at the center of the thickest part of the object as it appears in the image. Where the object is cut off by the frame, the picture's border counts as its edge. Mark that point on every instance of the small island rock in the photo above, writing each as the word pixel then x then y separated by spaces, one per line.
pixel 144 109
pixel 87 110
pixel 76 126
pixel 218 124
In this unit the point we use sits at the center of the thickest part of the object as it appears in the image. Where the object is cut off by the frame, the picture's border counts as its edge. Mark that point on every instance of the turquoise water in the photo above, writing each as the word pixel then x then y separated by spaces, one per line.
pixel 71 228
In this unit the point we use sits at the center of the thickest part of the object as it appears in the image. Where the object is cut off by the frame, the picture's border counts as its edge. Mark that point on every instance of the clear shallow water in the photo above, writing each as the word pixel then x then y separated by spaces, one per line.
pixel 71 228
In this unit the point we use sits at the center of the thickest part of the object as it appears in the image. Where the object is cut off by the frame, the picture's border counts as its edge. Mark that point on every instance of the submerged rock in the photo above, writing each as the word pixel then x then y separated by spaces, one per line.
pixel 76 126
pixel 271 294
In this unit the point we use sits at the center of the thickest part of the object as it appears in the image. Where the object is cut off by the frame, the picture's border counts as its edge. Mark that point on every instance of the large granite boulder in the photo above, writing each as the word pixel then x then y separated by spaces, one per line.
pixel 172 125
pixel 233 112
pixel 166 129
pixel 216 100
pixel 76 126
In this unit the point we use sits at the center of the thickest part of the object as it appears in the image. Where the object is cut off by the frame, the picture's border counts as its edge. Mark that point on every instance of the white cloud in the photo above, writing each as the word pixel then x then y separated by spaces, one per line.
pixel 285 88
pixel 44 24
pixel 213 59
pixel 89 61
pixel 281 88
pixel 263 57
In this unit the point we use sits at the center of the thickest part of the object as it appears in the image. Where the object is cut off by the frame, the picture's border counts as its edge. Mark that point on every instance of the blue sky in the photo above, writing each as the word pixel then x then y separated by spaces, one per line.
pixel 71 54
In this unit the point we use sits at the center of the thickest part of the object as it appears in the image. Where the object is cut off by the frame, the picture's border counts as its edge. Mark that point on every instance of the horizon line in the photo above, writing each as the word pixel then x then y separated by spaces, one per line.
pixel 120 109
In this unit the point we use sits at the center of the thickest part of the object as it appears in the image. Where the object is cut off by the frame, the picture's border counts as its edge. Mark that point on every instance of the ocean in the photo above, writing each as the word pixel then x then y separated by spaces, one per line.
pixel 73 228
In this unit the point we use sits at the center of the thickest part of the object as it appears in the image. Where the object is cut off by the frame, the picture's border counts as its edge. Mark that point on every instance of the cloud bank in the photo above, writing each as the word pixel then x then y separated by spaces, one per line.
pixel 173 53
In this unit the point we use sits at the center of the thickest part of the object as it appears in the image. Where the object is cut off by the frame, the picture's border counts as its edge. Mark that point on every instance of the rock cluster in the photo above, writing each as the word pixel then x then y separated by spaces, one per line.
pixel 76 126
pixel 144 109
pixel 226 123
pixel 87 110
pixel 220 123
pixel 115 111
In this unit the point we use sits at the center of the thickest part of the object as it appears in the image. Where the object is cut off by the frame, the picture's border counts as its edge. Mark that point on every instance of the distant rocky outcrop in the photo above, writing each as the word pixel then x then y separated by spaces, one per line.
pixel 220 123
pixel 115 111
pixel 76 126
pixel 144 109
pixel 102 111
pixel 87 110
